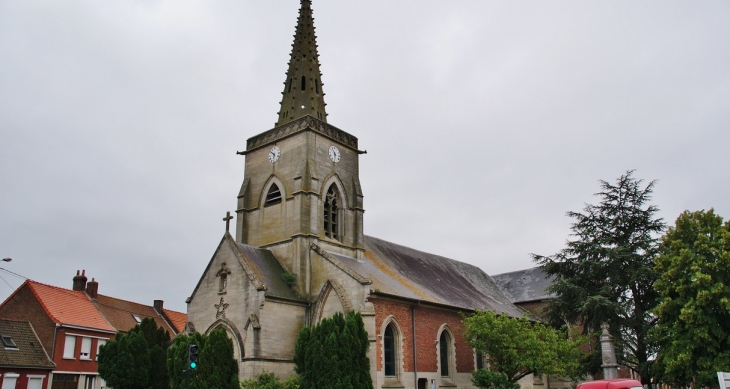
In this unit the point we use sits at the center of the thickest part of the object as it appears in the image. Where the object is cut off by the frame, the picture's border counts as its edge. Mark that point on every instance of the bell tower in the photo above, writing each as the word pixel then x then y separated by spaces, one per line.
pixel 301 183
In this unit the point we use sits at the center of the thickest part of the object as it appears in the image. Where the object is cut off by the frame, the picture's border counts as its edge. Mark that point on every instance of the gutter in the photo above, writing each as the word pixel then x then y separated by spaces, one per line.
pixel 53 346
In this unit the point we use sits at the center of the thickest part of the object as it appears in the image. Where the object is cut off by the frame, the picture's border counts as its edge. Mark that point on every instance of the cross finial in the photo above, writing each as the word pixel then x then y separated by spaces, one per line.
pixel 228 219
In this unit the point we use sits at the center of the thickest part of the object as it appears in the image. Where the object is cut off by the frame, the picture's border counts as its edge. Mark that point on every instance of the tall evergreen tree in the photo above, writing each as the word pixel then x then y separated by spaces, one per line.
pixel 218 369
pixel 333 354
pixel 694 310
pixel 177 361
pixel 124 362
pixel 606 274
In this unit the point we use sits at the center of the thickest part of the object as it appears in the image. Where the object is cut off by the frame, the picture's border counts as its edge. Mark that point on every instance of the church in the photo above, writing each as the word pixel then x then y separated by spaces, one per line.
pixel 299 255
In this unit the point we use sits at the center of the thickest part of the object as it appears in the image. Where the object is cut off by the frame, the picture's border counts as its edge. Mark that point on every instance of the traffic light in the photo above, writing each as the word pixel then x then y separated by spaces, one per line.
pixel 193 356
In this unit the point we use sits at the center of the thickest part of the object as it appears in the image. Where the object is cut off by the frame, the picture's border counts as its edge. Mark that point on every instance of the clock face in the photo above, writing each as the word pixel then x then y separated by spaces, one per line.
pixel 274 154
pixel 334 154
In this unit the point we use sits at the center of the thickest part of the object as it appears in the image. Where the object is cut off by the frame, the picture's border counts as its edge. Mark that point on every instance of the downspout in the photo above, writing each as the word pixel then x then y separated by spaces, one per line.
pixel 53 346
pixel 415 357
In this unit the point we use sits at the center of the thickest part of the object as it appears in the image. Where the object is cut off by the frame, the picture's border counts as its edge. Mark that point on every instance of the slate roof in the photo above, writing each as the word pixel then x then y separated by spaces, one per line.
pixel 120 314
pixel 525 285
pixel 404 272
pixel 65 306
pixel 269 271
pixel 29 353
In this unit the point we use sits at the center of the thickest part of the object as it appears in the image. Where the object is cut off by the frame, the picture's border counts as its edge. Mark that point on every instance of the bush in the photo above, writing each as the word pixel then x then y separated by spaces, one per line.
pixel 270 381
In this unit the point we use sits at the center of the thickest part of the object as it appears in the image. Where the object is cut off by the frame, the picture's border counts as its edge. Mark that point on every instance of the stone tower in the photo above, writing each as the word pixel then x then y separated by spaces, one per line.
pixel 301 182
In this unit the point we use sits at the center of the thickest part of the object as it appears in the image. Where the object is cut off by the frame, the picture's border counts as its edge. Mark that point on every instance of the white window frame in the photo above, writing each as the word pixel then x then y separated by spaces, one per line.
pixel 100 342
pixel 13 376
pixel 35 377
pixel 69 352
pixel 85 349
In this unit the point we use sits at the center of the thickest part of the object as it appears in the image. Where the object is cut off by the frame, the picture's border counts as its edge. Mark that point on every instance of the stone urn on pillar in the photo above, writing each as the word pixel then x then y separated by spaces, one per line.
pixel 608 354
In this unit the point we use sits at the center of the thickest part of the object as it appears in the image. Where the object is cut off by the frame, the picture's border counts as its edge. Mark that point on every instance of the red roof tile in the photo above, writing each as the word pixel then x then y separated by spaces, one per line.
pixel 178 319
pixel 121 313
pixel 69 307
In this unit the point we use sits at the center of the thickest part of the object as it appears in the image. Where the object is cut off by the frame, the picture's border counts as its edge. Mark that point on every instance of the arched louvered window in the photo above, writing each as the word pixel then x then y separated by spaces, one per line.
pixel 389 351
pixel 331 206
pixel 445 352
pixel 273 196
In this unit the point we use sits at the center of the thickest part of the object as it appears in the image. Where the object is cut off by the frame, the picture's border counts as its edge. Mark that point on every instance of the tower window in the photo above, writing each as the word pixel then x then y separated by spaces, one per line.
pixel 304 83
pixel 273 196
pixel 289 87
pixel 316 86
pixel 330 213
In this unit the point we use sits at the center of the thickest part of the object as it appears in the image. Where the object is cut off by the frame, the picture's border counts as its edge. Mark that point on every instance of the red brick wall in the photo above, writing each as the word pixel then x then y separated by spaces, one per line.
pixel 22 382
pixel 23 306
pixel 428 322
pixel 77 364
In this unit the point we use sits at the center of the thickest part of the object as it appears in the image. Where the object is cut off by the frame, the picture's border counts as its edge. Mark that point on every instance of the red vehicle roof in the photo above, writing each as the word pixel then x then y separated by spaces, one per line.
pixel 618 383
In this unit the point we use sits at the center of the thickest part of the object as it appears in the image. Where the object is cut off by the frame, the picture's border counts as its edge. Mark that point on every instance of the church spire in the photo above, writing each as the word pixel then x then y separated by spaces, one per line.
pixel 303 93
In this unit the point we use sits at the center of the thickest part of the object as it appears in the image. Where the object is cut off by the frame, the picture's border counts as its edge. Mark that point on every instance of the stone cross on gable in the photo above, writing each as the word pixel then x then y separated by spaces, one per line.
pixel 228 219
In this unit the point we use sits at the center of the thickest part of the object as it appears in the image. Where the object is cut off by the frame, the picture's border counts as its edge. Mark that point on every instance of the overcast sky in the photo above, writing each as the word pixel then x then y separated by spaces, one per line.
pixel 484 122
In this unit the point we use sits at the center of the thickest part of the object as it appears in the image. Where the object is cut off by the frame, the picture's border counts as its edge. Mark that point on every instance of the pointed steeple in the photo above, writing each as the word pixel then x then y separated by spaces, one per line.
pixel 303 93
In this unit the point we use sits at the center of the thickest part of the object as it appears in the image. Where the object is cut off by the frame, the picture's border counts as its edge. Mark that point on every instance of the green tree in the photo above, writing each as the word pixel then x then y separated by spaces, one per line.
pixel 177 361
pixel 519 347
pixel 124 362
pixel 606 274
pixel 218 369
pixel 157 339
pixel 694 310
pixel 333 354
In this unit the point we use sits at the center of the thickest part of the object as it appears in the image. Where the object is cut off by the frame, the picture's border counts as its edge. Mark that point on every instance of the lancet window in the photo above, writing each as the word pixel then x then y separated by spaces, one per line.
pixel 331 208
pixel 273 196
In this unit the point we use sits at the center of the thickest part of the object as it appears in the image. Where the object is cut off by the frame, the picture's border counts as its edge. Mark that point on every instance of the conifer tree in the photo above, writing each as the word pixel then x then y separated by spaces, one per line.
pixel 333 354
pixel 606 274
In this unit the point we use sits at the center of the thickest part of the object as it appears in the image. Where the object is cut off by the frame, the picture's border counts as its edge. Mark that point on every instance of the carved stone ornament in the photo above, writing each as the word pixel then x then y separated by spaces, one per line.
pixel 223 278
pixel 220 309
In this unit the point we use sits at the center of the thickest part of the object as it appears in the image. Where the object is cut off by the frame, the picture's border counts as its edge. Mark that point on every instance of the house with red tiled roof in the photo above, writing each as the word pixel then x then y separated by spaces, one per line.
pixel 24 363
pixel 71 325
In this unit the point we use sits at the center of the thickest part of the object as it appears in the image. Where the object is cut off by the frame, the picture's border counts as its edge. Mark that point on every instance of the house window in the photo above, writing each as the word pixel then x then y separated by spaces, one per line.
pixel 136 318
pixel 9 343
pixel 445 352
pixel 273 196
pixel 35 382
pixel 389 351
pixel 85 348
pixel 9 380
pixel 99 343
pixel 330 213
pixel 90 381
pixel 69 348
pixel 480 360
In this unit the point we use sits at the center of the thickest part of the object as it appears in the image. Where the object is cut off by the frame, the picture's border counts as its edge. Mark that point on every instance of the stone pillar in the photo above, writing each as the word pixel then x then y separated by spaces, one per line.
pixel 608 353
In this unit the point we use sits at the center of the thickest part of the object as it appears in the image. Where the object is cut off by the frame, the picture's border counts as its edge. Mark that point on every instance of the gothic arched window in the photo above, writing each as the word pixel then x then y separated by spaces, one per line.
pixel 273 196
pixel 331 206
pixel 445 352
pixel 389 351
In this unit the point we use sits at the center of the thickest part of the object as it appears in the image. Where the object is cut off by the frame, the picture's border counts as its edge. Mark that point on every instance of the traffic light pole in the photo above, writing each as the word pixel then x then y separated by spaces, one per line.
pixel 186 373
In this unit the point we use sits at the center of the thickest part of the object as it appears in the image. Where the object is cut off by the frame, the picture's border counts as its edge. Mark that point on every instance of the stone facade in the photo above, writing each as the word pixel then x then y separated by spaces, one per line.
pixel 299 255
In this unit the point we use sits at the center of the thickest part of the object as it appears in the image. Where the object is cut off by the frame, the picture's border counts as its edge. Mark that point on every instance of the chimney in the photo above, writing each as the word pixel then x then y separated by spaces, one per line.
pixel 158 306
pixel 80 281
pixel 92 288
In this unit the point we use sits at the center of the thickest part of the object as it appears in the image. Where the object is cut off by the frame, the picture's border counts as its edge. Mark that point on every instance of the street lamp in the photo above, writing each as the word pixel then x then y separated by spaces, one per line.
pixel 7 259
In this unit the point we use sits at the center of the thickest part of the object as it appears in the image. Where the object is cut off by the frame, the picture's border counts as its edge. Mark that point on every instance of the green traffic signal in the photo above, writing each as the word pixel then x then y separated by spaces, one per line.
pixel 193 356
